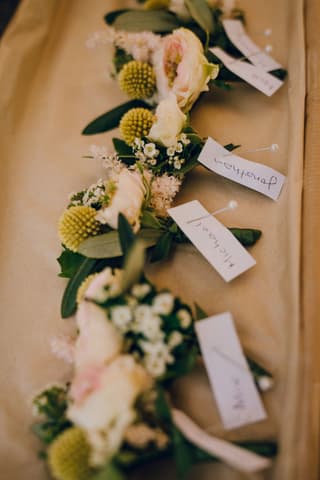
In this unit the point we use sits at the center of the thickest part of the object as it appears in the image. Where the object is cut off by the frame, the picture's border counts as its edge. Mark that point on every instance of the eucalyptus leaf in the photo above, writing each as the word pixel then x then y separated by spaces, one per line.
pixel 126 234
pixel 111 119
pixel 246 236
pixel 112 16
pixel 159 21
pixel 108 245
pixel 133 265
pixel 68 305
pixel 201 13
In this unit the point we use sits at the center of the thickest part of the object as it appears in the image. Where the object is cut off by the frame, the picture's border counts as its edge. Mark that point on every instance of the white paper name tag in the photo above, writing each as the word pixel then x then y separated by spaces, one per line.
pixel 213 240
pixel 238 36
pixel 253 175
pixel 255 76
pixel 235 392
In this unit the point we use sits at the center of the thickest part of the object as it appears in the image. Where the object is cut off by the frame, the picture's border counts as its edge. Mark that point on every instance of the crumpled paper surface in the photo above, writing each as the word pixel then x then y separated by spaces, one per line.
pixel 51 87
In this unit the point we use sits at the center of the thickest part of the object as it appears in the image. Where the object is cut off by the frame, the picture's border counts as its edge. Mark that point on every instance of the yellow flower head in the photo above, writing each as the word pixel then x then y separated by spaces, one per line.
pixel 137 79
pixel 156 4
pixel 76 224
pixel 68 456
pixel 136 123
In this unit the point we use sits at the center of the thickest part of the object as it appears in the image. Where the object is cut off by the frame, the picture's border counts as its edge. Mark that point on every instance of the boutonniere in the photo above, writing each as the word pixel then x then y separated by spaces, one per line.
pixel 131 343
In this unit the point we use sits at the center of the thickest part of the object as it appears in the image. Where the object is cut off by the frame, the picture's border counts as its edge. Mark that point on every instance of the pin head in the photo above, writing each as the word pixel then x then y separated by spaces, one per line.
pixel 268 48
pixel 232 204
pixel 268 32
pixel 274 147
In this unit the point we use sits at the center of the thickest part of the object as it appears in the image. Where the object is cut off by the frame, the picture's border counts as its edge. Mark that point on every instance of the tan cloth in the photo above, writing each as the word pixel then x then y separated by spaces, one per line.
pixel 51 86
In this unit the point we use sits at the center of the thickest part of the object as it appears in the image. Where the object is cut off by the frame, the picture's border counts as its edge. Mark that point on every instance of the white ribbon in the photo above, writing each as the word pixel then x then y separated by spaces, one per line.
pixel 237 457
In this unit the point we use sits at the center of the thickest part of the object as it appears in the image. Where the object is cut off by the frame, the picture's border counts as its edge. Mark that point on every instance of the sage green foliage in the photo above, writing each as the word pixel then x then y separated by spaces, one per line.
pixel 51 404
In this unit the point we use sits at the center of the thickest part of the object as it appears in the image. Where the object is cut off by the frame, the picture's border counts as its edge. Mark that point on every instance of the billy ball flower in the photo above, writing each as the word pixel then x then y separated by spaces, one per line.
pixel 137 79
pixel 69 456
pixel 136 123
pixel 76 224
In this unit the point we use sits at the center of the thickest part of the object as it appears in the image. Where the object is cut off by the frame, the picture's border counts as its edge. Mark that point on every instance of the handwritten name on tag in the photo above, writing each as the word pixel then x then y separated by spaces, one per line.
pixel 253 175
pixel 213 240
pixel 238 36
pixel 232 383
pixel 255 76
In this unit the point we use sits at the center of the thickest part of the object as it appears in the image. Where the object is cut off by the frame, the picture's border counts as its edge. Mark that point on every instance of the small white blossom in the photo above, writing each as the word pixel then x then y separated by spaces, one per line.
pixel 184 139
pixel 175 339
pixel 157 356
pixel 184 317
pixel 163 303
pixel 179 147
pixel 138 142
pixel 121 317
pixel 177 163
pixel 152 161
pixel 171 151
pixel 150 150
pixel 140 290
pixel 147 323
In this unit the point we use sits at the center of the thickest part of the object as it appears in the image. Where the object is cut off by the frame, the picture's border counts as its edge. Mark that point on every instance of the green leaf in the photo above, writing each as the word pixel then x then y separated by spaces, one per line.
pixel 111 119
pixel 108 244
pixel 162 408
pixel 182 452
pixel 110 472
pixel 68 305
pixel 126 235
pixel 121 147
pixel 200 313
pixel 231 146
pixel 112 16
pixel 159 21
pixel 257 369
pixel 220 84
pixel 150 220
pixel 163 247
pixel 201 13
pixel 133 265
pixel 69 262
pixel 246 236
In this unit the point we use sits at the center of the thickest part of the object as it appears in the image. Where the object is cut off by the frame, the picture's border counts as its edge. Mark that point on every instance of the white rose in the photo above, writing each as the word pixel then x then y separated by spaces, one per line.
pixel 163 303
pixel 103 403
pixel 128 200
pixel 182 68
pixel 97 287
pixel 98 341
pixel 169 122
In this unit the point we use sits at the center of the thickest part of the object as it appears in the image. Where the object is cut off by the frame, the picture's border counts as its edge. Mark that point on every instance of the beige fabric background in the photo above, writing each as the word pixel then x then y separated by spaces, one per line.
pixel 51 86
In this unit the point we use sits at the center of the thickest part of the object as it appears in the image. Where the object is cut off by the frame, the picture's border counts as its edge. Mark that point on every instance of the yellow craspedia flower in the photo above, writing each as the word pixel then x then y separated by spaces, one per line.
pixel 137 79
pixel 156 4
pixel 68 456
pixel 136 123
pixel 84 286
pixel 76 224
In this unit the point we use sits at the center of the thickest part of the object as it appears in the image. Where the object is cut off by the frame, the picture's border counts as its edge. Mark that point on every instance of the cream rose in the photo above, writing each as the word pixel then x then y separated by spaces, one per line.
pixel 98 341
pixel 128 199
pixel 104 401
pixel 182 68
pixel 169 122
